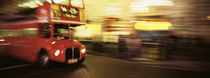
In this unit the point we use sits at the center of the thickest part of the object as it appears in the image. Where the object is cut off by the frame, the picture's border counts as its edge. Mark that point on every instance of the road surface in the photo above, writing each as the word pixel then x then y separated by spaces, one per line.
pixel 95 67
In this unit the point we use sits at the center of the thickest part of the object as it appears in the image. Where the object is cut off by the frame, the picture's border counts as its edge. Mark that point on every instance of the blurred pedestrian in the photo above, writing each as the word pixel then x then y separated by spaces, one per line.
pixel 122 49
pixel 133 45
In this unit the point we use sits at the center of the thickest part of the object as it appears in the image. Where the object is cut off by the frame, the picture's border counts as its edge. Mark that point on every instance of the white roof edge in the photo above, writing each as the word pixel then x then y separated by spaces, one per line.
pixel 66 21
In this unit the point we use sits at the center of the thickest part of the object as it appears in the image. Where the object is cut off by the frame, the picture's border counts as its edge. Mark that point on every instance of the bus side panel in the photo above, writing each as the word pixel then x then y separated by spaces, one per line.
pixel 35 45
pixel 4 46
pixel 28 48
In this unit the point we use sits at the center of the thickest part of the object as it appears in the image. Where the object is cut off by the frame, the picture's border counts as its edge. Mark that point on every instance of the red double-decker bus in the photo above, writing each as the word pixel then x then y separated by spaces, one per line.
pixel 44 34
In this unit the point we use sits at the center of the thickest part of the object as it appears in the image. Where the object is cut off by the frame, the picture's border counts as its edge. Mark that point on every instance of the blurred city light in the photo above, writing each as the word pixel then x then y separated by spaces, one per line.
pixel 152 25
pixel 31 3
pixel 162 25
pixel 88 31
pixel 152 3
pixel 143 5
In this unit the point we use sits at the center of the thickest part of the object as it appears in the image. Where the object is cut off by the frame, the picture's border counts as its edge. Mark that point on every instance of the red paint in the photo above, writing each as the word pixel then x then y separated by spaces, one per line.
pixel 28 48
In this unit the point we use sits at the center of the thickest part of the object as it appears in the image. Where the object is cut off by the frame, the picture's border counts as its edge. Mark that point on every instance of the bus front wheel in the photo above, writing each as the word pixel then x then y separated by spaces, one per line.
pixel 43 60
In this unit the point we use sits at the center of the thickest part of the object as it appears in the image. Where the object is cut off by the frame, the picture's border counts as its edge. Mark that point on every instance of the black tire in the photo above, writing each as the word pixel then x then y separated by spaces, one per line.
pixel 43 60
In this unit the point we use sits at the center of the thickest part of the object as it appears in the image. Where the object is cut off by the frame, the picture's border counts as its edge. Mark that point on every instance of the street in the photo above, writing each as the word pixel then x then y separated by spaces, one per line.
pixel 111 38
pixel 96 67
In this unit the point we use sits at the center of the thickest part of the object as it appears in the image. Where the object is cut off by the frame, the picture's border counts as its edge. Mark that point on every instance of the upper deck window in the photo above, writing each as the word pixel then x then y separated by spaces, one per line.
pixel 69 12
pixel 55 10
pixel 59 10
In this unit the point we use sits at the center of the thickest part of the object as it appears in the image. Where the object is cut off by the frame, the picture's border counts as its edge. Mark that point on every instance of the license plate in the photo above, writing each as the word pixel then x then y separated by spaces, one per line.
pixel 72 60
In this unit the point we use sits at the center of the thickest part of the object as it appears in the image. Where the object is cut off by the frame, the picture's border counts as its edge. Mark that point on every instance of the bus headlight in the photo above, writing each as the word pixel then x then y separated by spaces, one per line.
pixel 57 52
pixel 83 50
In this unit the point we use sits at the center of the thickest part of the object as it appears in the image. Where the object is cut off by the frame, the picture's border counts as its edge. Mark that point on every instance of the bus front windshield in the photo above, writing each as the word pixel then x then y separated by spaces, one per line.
pixel 61 31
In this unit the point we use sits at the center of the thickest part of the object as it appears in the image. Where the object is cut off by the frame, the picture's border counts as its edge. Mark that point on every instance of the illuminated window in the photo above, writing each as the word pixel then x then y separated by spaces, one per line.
pixel 71 12
pixel 25 32
pixel 55 10
pixel 64 10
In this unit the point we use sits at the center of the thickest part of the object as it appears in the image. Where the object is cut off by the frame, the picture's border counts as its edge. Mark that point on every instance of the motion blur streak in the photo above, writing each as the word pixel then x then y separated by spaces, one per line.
pixel 152 25
pixel 153 38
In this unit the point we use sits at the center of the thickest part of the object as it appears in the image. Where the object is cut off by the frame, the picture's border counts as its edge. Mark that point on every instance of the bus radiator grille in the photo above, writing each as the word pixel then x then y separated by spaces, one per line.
pixel 72 51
